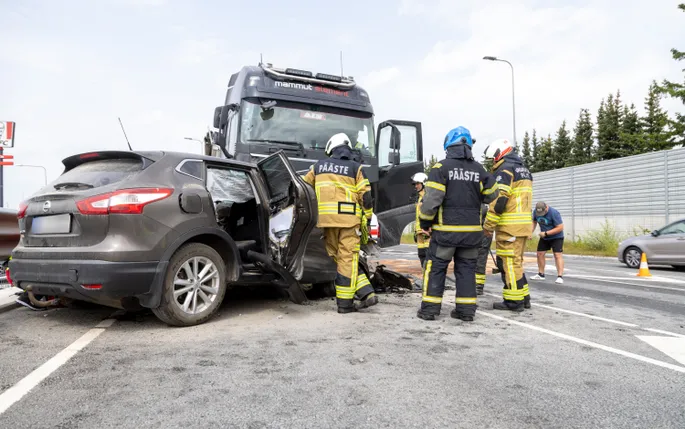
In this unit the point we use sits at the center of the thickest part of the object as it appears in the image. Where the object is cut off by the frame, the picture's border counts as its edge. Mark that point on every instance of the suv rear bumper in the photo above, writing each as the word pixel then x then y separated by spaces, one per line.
pixel 66 278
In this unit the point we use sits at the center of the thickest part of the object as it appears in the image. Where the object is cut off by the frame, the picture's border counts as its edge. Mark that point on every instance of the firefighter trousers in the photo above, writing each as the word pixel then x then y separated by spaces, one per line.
pixel 422 256
pixel 342 244
pixel 510 262
pixel 437 262
pixel 481 264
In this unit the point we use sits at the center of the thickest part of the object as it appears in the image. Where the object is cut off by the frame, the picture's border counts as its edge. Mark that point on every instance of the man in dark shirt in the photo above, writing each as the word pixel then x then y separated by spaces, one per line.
pixel 551 237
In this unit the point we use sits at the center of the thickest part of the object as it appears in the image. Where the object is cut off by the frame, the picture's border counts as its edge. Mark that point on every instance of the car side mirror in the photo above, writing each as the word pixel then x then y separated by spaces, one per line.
pixel 655 233
pixel 395 138
pixel 394 158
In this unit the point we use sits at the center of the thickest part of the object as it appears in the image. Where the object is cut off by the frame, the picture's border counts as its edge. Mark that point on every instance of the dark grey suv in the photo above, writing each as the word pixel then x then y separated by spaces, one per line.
pixel 169 231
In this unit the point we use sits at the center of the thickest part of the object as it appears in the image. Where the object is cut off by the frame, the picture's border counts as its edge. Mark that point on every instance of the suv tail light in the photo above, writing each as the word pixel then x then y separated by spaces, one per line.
pixel 21 212
pixel 126 201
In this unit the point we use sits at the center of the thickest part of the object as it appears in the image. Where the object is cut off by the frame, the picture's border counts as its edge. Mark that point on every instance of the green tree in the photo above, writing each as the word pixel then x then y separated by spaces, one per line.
pixel 430 163
pixel 583 140
pixel 535 147
pixel 676 90
pixel 527 152
pixel 632 142
pixel 545 158
pixel 609 118
pixel 561 154
pixel 655 122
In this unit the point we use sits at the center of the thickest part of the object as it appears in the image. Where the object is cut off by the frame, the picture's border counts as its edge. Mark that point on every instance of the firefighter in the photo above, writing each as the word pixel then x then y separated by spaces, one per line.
pixel 510 217
pixel 450 212
pixel 344 201
pixel 483 251
pixel 421 239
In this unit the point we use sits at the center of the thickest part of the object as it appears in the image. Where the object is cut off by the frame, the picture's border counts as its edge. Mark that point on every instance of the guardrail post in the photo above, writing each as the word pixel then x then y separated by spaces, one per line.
pixel 666 199
pixel 573 204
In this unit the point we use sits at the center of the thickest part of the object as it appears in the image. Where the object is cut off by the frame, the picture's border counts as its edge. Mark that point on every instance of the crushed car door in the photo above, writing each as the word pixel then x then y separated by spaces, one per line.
pixel 400 156
pixel 291 205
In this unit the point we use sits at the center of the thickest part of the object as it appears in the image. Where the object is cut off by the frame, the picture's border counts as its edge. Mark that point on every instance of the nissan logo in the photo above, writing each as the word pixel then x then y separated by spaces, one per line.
pixel 46 206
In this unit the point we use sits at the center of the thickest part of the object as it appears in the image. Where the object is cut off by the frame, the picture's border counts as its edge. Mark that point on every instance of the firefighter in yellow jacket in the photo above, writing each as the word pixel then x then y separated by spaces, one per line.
pixel 510 217
pixel 420 238
pixel 344 201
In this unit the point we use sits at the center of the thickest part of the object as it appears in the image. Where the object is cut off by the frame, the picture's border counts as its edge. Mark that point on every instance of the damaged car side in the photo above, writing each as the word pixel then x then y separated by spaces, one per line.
pixel 170 232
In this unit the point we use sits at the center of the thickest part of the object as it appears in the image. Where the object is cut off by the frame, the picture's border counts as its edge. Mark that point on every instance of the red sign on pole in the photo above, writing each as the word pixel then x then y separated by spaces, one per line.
pixel 4 157
pixel 7 132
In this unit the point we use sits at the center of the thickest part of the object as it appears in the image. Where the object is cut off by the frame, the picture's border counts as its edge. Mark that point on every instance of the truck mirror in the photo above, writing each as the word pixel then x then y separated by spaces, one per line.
pixel 394 158
pixel 217 117
pixel 224 117
pixel 395 138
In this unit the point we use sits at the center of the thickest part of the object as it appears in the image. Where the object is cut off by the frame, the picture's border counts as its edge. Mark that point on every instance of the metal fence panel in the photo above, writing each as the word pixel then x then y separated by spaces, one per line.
pixel 636 193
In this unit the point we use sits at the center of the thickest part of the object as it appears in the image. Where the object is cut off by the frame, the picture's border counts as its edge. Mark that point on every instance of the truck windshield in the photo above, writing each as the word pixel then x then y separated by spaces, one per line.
pixel 307 124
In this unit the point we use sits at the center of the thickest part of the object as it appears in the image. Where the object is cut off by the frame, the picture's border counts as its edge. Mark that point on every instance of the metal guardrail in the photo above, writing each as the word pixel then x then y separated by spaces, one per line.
pixel 640 191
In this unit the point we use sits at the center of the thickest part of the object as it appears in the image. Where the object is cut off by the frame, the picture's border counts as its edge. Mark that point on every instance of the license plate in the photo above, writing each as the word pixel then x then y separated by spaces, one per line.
pixel 57 224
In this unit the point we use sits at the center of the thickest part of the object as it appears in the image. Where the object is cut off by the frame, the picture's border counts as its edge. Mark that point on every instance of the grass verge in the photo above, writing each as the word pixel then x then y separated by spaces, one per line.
pixel 600 242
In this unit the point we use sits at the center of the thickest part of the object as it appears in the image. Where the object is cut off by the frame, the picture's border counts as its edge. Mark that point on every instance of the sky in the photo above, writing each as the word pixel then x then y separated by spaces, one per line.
pixel 68 69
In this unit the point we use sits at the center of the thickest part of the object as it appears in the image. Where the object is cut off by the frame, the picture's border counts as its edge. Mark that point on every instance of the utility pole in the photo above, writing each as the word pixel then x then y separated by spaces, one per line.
pixel 513 97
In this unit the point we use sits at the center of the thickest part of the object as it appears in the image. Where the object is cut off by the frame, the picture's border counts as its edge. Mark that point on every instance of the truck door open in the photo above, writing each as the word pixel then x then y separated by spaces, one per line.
pixel 400 156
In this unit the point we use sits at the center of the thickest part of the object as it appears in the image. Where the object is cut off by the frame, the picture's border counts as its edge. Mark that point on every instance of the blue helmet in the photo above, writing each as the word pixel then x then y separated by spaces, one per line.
pixel 459 135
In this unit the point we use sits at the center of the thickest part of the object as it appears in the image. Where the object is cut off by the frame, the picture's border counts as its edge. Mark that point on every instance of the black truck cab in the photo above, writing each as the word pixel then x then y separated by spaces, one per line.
pixel 268 109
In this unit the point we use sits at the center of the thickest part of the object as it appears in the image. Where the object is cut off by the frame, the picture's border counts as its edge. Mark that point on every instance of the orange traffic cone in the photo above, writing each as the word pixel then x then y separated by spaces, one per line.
pixel 644 268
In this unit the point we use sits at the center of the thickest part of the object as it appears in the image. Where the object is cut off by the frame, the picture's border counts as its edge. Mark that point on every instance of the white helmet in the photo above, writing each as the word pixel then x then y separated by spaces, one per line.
pixel 498 149
pixel 419 178
pixel 337 140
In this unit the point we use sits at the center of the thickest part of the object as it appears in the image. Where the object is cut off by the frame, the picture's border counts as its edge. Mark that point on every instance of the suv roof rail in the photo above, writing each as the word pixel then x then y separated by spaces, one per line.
pixel 307 76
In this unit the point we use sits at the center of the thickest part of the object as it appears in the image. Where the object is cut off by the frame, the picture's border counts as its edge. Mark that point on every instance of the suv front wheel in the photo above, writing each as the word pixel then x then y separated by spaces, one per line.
pixel 194 286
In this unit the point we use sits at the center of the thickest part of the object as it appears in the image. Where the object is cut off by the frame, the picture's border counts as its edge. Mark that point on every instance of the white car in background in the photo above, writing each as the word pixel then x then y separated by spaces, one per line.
pixel 665 246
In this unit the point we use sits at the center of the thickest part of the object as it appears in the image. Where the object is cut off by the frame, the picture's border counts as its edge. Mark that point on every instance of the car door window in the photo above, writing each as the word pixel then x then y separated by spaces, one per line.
pixel 278 180
pixel 676 228
pixel 229 185
pixel 408 149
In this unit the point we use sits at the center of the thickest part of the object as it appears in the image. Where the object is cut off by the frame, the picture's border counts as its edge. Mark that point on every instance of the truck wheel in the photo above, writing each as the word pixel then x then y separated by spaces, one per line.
pixel 194 286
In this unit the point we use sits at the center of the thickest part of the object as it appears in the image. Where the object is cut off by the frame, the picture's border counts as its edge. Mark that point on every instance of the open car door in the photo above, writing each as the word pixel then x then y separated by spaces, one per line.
pixel 400 156
pixel 291 208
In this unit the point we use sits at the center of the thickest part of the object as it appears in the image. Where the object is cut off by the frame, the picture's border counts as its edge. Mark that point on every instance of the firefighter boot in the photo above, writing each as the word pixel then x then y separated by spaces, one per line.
pixel 367 302
pixel 526 301
pixel 425 316
pixel 463 317
pixel 345 310
pixel 480 289
pixel 504 305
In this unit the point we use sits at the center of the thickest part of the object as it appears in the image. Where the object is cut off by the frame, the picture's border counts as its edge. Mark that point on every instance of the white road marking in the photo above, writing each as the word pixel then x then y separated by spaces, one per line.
pixel 659 331
pixel 616 280
pixel 673 347
pixel 26 384
pixel 603 319
pixel 588 343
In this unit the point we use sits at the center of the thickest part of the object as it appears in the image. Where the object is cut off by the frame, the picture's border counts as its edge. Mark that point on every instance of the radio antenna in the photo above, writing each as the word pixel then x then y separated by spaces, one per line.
pixel 125 136
pixel 341 64
pixel 261 59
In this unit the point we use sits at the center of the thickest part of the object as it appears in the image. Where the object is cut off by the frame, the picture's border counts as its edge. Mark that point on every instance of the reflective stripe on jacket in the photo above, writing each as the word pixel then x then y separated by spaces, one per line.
pixel 511 213
pixel 343 192
pixel 422 241
pixel 457 187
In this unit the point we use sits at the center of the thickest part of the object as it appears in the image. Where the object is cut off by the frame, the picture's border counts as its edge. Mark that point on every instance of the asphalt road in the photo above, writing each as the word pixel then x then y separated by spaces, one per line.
pixel 606 349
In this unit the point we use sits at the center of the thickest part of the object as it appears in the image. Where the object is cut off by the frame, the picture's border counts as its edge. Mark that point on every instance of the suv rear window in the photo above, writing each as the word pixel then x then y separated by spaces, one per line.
pixel 101 172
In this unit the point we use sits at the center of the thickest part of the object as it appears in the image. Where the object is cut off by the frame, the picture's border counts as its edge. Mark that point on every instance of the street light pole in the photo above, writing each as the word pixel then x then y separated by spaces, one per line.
pixel 513 95
pixel 45 172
